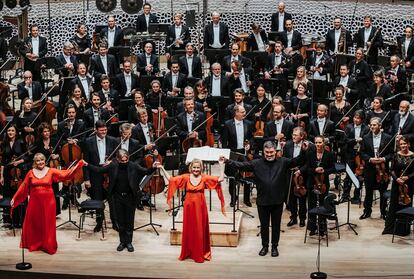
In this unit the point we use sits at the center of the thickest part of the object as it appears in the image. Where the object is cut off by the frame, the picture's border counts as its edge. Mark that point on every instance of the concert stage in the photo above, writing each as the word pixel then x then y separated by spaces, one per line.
pixel 368 254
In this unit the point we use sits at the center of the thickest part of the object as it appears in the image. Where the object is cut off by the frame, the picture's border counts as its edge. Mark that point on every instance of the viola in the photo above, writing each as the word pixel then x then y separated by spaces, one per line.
pixel 249 156
pixel 360 165
pixel 15 177
pixel 404 197
pixel 343 124
pixel 381 175
pixel 319 183
pixel 157 184
pixel 259 126
pixel 299 187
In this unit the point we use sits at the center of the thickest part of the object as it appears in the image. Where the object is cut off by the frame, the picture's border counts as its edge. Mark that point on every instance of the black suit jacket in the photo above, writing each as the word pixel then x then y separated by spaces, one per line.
pixel 270 130
pixel 64 131
pixel 275 21
pixel 198 107
pixel 330 41
pixel 326 67
pixel 60 65
pixel 133 146
pixel 329 131
pixel 78 82
pixel 142 23
pixel 88 117
pixel 182 128
pixel 350 141
pixel 296 39
pixel 288 153
pixel 252 43
pixel 36 91
pixel 401 85
pixel 118 35
pixel 196 67
pixel 167 82
pixel 229 138
pixel 410 52
pixel 230 111
pixel 327 163
pixel 407 130
pixel 184 36
pixel 209 35
pixel 286 65
pixel 352 92
pixel 113 95
pixel 97 69
pixel 142 63
pixel 246 63
pixel 225 90
pixel 121 84
pixel 138 134
pixel 42 47
pixel 377 42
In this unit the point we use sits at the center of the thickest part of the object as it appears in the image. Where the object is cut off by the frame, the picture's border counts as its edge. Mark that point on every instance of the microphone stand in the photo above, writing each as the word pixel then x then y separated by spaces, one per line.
pixel 23 265
pixel 318 274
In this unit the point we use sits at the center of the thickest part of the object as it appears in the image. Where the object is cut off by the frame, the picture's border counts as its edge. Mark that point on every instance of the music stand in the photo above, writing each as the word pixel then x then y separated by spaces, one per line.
pixel 220 102
pixel 124 105
pixel 355 181
pixel 216 54
pixel 144 182
pixel 7 66
pixel 70 193
pixel 177 53
pixel 120 52
pixel 171 104
pixel 145 82
pixel 158 27
pixel 319 88
pixel 259 59
pixel 275 36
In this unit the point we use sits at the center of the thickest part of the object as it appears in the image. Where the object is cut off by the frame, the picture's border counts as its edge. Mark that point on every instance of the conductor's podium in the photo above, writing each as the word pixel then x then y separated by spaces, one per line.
pixel 221 229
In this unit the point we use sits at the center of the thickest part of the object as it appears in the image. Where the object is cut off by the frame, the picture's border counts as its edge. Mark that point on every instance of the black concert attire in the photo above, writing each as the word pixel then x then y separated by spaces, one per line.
pixel 403 125
pixel 324 62
pixel 275 26
pixel 172 35
pixel 24 120
pixel 117 36
pixel 69 129
pixel 386 122
pixel 223 39
pixel 253 45
pixel 245 63
pixel 400 166
pixel 333 39
pixel 179 81
pixel 33 92
pixel 375 37
pixel 292 39
pixel 300 106
pixel 182 121
pixel 197 106
pixel 406 49
pixel 131 145
pixel 272 183
pixel 142 62
pixel 397 87
pixel 274 127
pixel 383 91
pixel 97 68
pixel 154 101
pixel 125 83
pixel 217 86
pixel 143 134
pixel 85 84
pixel 133 113
pixel 142 25
pixel 327 162
pixel 81 44
pixel 322 127
pixel 336 114
pixel 91 115
pixel 279 82
pixel 240 81
pixel 362 73
pixel 384 150
pixel 351 93
pixel 80 108
pixel 3 49
pixel 112 96
pixel 194 63
pixel 247 107
pixel 124 179
pixel 27 47
pixel 261 106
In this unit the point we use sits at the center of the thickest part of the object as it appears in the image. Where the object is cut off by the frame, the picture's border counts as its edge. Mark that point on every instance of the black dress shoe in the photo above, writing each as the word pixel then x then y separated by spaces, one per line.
pixel 98 228
pixel 302 223
pixel 365 215
pixel 292 222
pixel 140 207
pixel 275 252
pixel 312 232
pixel 129 247
pixel 121 247
pixel 232 204
pixel 264 251
pixel 355 201
pixel 248 203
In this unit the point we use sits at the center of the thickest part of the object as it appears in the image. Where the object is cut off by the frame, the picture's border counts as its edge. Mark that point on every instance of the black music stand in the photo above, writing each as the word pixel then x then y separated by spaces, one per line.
pixel 192 81
pixel 158 27
pixel 70 193
pixel 275 36
pixel 319 88
pixel 220 102
pixel 120 52
pixel 216 54
pixel 177 53
pixel 7 66
pixel 123 108
pixel 354 180
pixel 259 59
pixel 145 82
pixel 171 104
pixel 144 182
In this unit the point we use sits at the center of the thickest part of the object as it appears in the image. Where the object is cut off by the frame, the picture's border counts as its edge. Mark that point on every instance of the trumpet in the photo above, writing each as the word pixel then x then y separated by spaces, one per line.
pixel 29 49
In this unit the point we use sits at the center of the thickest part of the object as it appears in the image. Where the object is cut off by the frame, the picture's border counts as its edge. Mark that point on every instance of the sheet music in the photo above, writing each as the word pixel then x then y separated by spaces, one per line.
pixel 206 153
pixel 352 176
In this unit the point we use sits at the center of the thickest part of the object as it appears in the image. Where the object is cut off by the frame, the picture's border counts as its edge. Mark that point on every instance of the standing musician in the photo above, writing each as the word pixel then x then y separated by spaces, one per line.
pixel 354 133
pixel 319 63
pixel 377 111
pixel 272 181
pixel 126 81
pixel 278 21
pixel 338 108
pixel 240 77
pixel 338 39
pixel 301 106
pixel 139 102
pixel 34 48
pixel 112 33
pixel 300 78
pixel 124 178
pixel 261 104
pixel 109 96
pixel 189 93
pixel 406 48
pixel 82 43
pixel 348 83
pixel 70 127
pixel 319 164
pixel 237 136
pixel 147 62
pixel 174 81
pixel 376 151
pixel 48 146
pixel 235 55
pixel 144 19
pixel 402 172
pixel 396 76
pixel 369 38
pixel 95 151
pixel 156 98
pixel 380 89
pixel 278 67
pixel 257 40
pixel 362 73
pixel 279 129
pixel 24 120
pixel 216 82
pixel 77 102
pixel 190 119
pixel 239 95
pixel 143 133
pixel 29 88
pixel 322 126
pixel 178 35
pixel 293 149
pixel 190 63
pixel 84 81
pixel 291 39
pixel 216 33
pixel 403 123
pixel 14 165
pixel 102 64
pixel 127 142
pixel 96 112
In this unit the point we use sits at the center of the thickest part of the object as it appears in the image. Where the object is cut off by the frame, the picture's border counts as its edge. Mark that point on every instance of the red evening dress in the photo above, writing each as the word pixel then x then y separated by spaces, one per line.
pixel 39 227
pixel 195 243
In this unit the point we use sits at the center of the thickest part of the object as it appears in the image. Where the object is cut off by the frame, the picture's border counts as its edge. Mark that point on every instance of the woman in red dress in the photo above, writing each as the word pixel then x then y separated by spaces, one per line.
pixel 39 227
pixel 195 243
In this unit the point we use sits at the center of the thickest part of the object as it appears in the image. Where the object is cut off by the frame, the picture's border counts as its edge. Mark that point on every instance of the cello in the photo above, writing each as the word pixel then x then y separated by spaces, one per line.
pixel 158 119
pixel 194 141
pixel 209 123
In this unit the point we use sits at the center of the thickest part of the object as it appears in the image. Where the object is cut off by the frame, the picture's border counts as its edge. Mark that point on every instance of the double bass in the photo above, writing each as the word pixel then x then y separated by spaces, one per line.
pixel 194 141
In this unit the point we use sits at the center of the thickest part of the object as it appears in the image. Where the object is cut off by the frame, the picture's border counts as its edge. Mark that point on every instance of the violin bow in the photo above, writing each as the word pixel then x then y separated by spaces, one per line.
pixel 202 123
pixel 21 156
pixel 54 148
pixel 346 114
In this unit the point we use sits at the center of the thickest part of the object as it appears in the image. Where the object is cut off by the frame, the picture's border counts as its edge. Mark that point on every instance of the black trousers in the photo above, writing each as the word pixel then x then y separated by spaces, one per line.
pixel 269 213
pixel 124 210
pixel 295 203
pixel 371 185
pixel 97 192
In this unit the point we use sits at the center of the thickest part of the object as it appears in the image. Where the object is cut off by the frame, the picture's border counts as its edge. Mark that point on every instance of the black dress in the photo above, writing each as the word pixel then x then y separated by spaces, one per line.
pixel 305 106
pixel 399 164
pixel 79 109
pixel 23 120
pixel 335 114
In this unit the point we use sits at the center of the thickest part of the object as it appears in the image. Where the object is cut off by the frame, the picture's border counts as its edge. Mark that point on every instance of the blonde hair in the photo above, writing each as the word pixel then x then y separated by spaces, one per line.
pixel 38 156
pixel 195 161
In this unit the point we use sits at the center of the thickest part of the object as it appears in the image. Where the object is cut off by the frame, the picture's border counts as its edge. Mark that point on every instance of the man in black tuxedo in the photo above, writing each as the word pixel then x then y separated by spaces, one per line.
pixel 238 95
pixel 349 84
pixel 279 129
pixel 257 40
pixel 216 33
pixel 29 88
pixel 406 47
pixel 147 62
pixel 126 81
pixel 174 81
pixel 83 81
pixel 362 73
pixel 375 150
pixel 319 63
pixel 278 67
pixel 102 64
pixel 33 49
pixel 178 35
pixel 108 95
pixel 146 18
pixel 95 112
pixel 291 39
pixel 240 77
pixel 189 93
pixel 338 39
pixel 190 63
pixel 370 39
pixel 112 33
pixel 403 123
pixel 95 151
pixel 244 62
pixel 396 76
pixel 322 126
pixel 216 82
pixel 237 135
pixel 190 119
pixel 278 21
pixel 128 143
pixel 124 181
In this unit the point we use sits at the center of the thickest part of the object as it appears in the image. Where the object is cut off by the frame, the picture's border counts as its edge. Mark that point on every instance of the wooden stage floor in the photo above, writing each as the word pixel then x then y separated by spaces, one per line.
pixel 368 254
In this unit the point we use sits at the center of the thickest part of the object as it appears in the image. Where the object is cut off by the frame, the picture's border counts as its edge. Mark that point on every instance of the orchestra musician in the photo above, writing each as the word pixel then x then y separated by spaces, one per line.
pixel 291 39
pixel 127 142
pixel 377 111
pixel 144 19
pixel 24 119
pixel 83 81
pixel 174 81
pixel 300 78
pixel 406 47
pixel 338 39
pixel 126 81
pixel 139 102
pixel 190 63
pixel 319 165
pixel 257 40
pixel 147 62
pixel 216 82
pixel 112 33
pixel 240 77
pixel 190 119
pixel 320 64
pixel 362 73
pixel 34 48
pixel 348 83
pixel 322 126
pixel 235 55
pixel 292 149
pixel 369 38
pixel 380 89
pixel 71 126
pixel 339 107
pixel 82 43
pixel 239 96
pixel 29 88
pixel 376 153
pixel 109 96
pixel 261 103
pixel 156 98
pixel 301 106
pixel 403 123
pixel 279 129
pixel 95 112
pixel 77 102
pixel 237 136
pixel 396 78
pixel 278 20
pixel 216 33
pixel 178 35
pixel 189 93
pixel 102 64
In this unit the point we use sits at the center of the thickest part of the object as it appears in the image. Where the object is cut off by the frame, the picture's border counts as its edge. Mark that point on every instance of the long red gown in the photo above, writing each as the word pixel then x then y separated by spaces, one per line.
pixel 39 227
pixel 195 243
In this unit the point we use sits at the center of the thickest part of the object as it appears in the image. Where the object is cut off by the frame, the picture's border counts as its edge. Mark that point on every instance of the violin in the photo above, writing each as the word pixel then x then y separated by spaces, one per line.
pixel 381 174
pixel 360 164
pixel 157 184
pixel 404 197
pixel 299 187
pixel 15 174
pixel 249 156
pixel 259 125
pixel 319 185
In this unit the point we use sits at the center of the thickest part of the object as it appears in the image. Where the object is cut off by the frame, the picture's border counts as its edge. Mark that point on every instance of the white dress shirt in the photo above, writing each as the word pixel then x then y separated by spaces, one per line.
pixel 289 38
pixel 111 37
pixel 259 41
pixel 407 44
pixel 243 81
pixel 29 90
pixel 101 149
pixel 95 115
pixel 67 59
pixel 278 59
pixel 367 32
pixel 403 119
pixel 148 58
pixel 128 84
pixel 216 36
pixel 337 36
pixel 296 149
pixel 321 125
pixel 125 145
pixel 85 85
pixel 281 22
pixel 317 75
pixel 145 130
pixel 344 81
pixel 174 79
pixel 357 131
pixel 216 86
pixel 177 33
pixel 105 63
pixel 190 65
pixel 190 120
pixel 147 18
pixel 239 133
pixel 376 141
pixel 35 45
